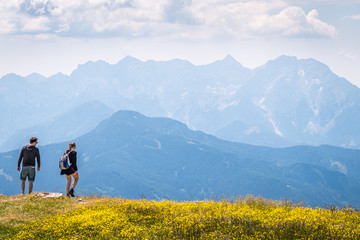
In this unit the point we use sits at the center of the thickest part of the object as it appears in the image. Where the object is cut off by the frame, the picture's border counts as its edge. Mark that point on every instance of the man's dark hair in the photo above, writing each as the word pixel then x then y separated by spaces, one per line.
pixel 33 139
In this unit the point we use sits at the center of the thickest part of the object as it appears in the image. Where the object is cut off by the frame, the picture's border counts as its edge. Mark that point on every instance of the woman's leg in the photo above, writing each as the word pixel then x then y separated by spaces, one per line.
pixel 68 179
pixel 76 179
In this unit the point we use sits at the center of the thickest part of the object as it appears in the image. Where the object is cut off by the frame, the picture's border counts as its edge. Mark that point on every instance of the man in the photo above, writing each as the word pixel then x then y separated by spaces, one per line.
pixel 27 156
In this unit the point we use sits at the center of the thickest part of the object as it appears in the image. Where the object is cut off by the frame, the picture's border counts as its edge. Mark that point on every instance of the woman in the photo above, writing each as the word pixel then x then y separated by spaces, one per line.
pixel 72 171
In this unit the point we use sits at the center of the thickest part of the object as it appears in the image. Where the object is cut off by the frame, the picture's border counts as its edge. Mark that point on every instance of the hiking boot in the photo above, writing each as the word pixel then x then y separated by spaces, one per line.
pixel 71 192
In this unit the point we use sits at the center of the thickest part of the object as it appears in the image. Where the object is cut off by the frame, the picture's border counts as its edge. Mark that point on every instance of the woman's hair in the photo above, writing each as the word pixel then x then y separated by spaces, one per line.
pixel 71 145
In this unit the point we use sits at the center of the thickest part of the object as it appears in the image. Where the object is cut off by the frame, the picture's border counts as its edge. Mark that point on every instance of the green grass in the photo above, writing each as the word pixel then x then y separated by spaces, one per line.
pixel 15 211
pixel 31 217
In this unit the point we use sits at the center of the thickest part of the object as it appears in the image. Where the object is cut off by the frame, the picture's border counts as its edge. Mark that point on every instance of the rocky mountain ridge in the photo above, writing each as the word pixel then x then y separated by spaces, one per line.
pixel 285 102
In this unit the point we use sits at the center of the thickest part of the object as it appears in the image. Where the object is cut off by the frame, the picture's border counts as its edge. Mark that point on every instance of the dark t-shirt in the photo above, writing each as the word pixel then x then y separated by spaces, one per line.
pixel 27 156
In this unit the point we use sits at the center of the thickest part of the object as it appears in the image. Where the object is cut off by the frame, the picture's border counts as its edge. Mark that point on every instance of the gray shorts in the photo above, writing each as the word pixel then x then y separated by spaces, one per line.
pixel 29 172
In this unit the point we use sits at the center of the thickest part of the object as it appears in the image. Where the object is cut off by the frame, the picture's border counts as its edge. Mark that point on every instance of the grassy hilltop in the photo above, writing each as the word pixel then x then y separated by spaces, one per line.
pixel 31 217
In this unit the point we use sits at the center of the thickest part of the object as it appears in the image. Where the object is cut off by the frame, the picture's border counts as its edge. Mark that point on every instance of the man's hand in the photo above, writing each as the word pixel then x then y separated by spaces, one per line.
pixel 38 168
pixel 19 168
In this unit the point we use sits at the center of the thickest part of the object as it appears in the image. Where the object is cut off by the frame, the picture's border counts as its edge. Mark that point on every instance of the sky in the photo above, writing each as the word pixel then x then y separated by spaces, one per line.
pixel 51 36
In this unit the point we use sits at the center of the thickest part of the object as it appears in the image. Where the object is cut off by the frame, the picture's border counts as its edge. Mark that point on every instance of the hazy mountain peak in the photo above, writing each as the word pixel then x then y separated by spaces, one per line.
pixel 127 114
pixel 94 105
pixel 283 60
pixel 121 116
pixel 35 78
pixel 58 75
pixel 292 65
pixel 134 122
pixel 91 67
pixel 227 61
pixel 229 58
pixel 180 62
pixel 34 75
pixel 314 65
pixel 280 64
pixel 93 63
pixel 11 76
pixel 308 63
pixel 129 60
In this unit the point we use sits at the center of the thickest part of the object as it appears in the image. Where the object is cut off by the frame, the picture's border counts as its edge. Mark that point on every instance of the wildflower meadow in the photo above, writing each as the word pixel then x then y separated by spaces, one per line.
pixel 116 218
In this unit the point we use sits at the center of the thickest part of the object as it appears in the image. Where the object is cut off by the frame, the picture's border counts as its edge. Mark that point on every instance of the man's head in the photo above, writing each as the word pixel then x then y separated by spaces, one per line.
pixel 33 140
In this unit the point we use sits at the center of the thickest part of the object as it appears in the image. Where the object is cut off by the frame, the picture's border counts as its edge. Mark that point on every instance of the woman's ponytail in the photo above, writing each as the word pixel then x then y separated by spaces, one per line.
pixel 71 145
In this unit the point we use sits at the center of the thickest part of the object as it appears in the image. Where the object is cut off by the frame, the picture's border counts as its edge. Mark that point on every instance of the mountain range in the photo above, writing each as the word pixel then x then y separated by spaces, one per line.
pixel 135 156
pixel 285 102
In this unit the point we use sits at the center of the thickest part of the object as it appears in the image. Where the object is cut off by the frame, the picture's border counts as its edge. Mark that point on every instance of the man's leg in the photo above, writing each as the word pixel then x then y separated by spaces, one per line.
pixel 31 178
pixel 23 186
pixel 30 186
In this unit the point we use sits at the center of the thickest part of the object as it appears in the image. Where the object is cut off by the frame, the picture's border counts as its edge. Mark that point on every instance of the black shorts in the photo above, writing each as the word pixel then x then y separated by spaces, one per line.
pixel 71 170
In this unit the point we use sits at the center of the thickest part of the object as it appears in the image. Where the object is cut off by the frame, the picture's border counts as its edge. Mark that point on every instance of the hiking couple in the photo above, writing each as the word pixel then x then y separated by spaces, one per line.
pixel 27 157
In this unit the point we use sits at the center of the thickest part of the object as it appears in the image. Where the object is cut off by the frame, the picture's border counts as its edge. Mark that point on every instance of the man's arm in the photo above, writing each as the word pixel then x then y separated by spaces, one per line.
pixel 20 158
pixel 38 159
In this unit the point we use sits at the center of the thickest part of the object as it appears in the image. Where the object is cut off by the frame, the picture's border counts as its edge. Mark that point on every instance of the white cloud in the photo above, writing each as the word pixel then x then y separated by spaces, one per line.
pixel 7 15
pixel 38 24
pixel 355 17
pixel 186 19
pixel 6 176
pixel 352 17
pixel 6 27
pixel 347 54
pixel 293 22
pixel 323 2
